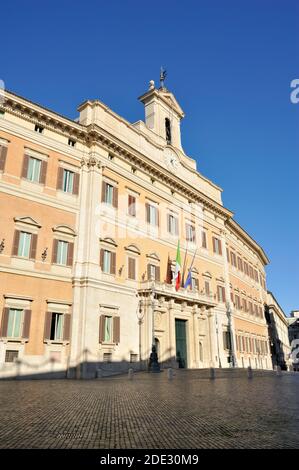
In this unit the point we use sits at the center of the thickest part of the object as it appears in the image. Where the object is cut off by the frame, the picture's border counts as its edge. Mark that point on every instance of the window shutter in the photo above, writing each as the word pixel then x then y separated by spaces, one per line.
pixel 223 294
pixel 102 258
pixel 54 250
pixel 70 254
pixel 232 297
pixel 214 245
pixel 43 172
pixel 33 246
pixel 25 166
pixel 147 212
pixel 3 153
pixel 227 254
pixel 26 324
pixel 103 191
pixel 204 240
pixel 76 183
pixel 116 330
pixel 66 326
pixel 157 272
pixel 113 263
pixel 149 272
pixel 132 268
pixel 4 322
pixel 220 247
pixel 158 216
pixel 115 197
pixel 102 329
pixel 15 246
pixel 47 330
pixel 196 283
pixel 59 178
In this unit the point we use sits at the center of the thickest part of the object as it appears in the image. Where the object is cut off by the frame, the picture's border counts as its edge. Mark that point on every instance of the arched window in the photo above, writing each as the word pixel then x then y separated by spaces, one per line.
pixel 168 130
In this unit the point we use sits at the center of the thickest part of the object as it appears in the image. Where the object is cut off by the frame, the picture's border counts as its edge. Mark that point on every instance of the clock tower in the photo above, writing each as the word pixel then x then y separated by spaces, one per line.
pixel 163 114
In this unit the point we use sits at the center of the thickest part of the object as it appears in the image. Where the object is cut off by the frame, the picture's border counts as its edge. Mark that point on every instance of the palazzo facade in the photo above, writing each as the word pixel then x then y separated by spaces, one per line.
pixel 91 212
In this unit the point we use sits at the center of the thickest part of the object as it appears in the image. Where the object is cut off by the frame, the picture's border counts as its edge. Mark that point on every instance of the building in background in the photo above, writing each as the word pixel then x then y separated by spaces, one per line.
pixel 278 333
pixel 91 212
pixel 294 338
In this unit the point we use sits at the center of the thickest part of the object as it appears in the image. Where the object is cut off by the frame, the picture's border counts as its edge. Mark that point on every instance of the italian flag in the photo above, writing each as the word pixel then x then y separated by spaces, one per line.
pixel 177 273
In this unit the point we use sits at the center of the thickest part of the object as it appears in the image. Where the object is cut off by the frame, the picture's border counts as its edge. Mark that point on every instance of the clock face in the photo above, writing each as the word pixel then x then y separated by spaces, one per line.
pixel 171 159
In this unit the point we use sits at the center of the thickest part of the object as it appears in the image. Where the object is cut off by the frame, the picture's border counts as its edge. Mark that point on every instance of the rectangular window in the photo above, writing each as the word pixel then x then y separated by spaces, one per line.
pixel 217 246
pixel 153 215
pixel 246 270
pixel 173 226
pixel 132 268
pixel 107 357
pixel 152 271
pixel 250 307
pixel 238 303
pixel 240 264
pixel 108 194
pixel 233 259
pixel 62 251
pixel 190 233
pixel 34 168
pixel 107 262
pixel 204 239
pixel 11 355
pixel 256 310
pixel 56 333
pixel 256 276
pixel 14 327
pixel 251 272
pixel 24 244
pixel 207 287
pixel 244 305
pixel 221 293
pixel 132 205
pixel 226 340
pixel 108 329
pixel 68 181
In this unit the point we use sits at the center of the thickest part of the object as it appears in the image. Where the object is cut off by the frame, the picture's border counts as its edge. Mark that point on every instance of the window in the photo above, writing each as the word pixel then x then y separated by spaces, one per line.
pixel 132 268
pixel 173 225
pixel 244 305
pixel 204 239
pixel 221 293
pixel 261 312
pixel 207 287
pixel 237 302
pixel 108 261
pixel 3 153
pixel 256 310
pixel 68 181
pixel 233 259
pixel 250 307
pixel 251 272
pixel 190 233
pixel 14 326
pixel 107 357
pixel 33 172
pixel 133 357
pixel 240 263
pixel 246 270
pixel 256 276
pixel 152 214
pixel 227 255
pixel 56 332
pixel 132 205
pixel 38 128
pixel 168 130
pixel 11 355
pixel 62 252
pixel 109 194
pixel 217 246
pixel 153 272
pixel 108 329
pixel 110 157
pixel 71 143
pixel 194 283
pixel 24 244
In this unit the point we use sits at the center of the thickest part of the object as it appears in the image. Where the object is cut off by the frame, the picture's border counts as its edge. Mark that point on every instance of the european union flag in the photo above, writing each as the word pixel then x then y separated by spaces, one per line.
pixel 188 280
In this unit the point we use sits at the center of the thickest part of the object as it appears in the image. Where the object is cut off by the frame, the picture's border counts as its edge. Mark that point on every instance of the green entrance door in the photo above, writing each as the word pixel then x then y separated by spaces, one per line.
pixel 181 343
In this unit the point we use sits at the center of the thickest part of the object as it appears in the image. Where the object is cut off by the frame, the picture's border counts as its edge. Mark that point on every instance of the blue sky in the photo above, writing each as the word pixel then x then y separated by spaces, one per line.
pixel 229 63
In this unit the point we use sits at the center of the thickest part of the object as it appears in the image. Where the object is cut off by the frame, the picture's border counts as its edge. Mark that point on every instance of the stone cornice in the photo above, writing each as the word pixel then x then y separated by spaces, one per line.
pixel 235 227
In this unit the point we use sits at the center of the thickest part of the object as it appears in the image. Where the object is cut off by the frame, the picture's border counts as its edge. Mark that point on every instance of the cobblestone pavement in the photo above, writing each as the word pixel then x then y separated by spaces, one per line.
pixel 150 411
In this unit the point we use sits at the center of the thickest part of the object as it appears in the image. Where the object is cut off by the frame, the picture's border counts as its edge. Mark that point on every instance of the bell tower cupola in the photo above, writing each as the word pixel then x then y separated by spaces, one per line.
pixel 163 114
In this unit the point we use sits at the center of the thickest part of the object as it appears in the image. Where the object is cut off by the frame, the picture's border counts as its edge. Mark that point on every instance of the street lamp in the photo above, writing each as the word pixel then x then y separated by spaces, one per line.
pixel 154 365
pixel 232 349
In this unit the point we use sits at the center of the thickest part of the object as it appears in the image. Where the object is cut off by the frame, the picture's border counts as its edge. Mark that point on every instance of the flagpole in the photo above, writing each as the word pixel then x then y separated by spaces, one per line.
pixel 184 265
